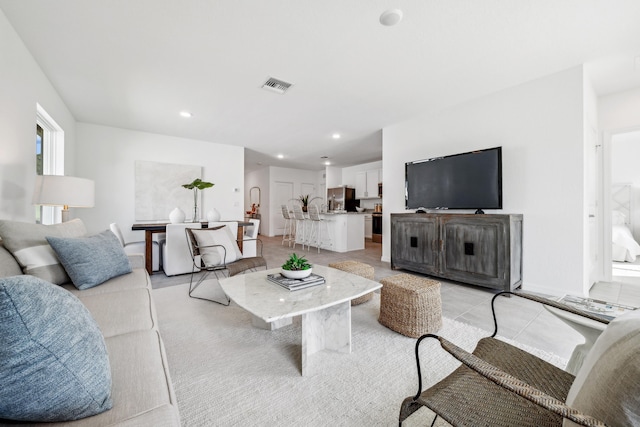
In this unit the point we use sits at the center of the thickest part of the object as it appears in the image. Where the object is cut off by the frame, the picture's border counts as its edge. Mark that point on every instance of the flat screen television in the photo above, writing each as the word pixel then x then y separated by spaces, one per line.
pixel 461 181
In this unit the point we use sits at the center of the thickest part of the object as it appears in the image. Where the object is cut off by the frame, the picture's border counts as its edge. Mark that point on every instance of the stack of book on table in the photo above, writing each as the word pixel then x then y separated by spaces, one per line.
pixel 608 310
pixel 296 284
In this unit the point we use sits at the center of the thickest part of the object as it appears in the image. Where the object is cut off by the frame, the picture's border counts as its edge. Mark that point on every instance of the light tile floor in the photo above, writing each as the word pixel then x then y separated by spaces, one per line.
pixel 625 287
pixel 518 319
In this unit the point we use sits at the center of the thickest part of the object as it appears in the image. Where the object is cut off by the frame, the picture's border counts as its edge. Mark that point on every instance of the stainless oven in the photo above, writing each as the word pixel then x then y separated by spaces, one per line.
pixel 376 227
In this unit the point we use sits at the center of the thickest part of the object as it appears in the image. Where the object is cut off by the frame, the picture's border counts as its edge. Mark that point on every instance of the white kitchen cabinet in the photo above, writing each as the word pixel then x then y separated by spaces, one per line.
pixel 367 184
pixel 361 185
pixel 373 178
pixel 368 226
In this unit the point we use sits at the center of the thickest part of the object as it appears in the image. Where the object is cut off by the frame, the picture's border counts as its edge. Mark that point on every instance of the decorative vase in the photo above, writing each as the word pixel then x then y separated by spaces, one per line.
pixel 195 217
pixel 296 274
pixel 213 215
pixel 177 216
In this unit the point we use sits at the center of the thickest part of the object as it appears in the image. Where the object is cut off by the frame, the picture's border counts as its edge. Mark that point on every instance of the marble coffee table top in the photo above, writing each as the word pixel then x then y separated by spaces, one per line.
pixel 270 302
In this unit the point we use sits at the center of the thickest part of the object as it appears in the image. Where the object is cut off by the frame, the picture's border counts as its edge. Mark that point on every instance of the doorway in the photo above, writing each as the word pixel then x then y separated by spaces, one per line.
pixel 621 214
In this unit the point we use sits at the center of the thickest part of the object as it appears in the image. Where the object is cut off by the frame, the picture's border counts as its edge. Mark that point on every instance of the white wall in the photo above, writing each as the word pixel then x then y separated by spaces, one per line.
pixel 22 85
pixel 259 178
pixel 592 170
pixel 540 127
pixel 298 178
pixel 619 111
pixel 107 155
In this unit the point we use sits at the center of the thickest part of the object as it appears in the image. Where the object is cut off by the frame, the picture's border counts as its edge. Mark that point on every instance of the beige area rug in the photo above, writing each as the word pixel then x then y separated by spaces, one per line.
pixel 228 373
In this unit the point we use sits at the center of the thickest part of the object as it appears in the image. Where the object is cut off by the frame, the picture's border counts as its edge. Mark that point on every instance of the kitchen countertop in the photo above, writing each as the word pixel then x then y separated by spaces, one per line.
pixel 346 213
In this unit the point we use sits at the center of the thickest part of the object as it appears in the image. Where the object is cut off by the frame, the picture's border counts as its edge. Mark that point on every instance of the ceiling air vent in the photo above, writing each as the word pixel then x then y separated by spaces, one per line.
pixel 275 85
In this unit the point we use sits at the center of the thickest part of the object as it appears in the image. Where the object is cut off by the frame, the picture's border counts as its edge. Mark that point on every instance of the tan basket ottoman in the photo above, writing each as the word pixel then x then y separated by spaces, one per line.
pixel 410 305
pixel 359 268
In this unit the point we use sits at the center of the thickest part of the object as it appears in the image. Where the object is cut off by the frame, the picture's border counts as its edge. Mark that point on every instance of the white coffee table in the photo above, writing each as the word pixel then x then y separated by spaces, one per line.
pixel 325 309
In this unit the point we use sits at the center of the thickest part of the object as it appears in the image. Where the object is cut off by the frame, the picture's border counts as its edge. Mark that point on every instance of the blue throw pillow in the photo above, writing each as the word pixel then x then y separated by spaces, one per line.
pixel 53 359
pixel 90 261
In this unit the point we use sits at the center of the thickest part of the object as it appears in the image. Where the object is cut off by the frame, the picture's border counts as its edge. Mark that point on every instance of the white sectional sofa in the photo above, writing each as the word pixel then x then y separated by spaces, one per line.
pixel 123 308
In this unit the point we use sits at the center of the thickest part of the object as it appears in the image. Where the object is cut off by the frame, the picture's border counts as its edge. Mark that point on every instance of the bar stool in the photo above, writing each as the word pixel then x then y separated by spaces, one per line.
pixel 315 228
pixel 288 234
pixel 301 227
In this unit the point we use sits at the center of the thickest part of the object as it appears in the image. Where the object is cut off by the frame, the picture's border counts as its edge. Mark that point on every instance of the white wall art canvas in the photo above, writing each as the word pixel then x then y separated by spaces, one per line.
pixel 158 189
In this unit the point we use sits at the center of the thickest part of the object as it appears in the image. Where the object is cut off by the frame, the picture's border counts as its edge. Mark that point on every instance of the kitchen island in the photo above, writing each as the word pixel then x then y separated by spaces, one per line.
pixel 345 230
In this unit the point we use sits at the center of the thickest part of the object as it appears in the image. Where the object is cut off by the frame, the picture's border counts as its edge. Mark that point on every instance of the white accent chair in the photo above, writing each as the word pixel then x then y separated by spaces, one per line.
pixel 137 247
pixel 250 239
pixel 176 258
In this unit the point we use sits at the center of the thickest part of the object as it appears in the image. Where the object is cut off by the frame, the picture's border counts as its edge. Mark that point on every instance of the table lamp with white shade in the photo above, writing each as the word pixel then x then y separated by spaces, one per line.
pixel 66 191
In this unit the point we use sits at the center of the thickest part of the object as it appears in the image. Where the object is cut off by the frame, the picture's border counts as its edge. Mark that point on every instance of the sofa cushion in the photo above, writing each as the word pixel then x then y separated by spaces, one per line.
pixel 118 313
pixel 90 261
pixel 607 385
pixel 141 382
pixel 216 255
pixel 8 264
pixel 27 242
pixel 53 359
pixel 138 278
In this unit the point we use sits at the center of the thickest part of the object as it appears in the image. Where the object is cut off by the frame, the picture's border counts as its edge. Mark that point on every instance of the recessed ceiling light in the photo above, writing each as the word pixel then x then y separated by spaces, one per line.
pixel 391 17
pixel 185 114
pixel 280 156
pixel 335 136
pixel 327 163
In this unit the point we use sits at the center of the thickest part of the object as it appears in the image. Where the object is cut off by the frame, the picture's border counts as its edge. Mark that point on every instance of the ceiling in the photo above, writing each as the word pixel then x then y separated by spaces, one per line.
pixel 137 64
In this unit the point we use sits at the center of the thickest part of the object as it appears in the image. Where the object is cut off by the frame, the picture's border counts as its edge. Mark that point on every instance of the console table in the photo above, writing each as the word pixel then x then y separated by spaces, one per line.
pixel 161 227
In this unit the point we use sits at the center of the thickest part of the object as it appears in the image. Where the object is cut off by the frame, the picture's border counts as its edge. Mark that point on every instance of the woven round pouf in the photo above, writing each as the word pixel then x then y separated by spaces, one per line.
pixel 359 268
pixel 410 305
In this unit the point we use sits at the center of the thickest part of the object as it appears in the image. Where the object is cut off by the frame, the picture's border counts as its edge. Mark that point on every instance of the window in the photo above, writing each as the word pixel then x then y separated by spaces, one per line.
pixel 49 159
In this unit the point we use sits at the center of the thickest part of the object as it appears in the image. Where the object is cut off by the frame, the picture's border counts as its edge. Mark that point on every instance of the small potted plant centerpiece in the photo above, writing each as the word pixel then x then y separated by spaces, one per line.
pixel 304 199
pixel 296 267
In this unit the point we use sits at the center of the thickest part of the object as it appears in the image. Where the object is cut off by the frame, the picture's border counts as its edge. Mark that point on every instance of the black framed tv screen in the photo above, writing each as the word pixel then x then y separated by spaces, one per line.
pixel 470 180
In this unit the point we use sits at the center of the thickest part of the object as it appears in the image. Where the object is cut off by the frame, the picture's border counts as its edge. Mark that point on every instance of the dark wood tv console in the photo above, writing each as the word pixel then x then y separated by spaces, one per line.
pixel 483 250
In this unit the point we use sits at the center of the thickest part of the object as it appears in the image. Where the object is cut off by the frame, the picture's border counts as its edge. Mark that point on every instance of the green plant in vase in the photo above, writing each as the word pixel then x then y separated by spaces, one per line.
pixel 304 199
pixel 296 263
pixel 196 185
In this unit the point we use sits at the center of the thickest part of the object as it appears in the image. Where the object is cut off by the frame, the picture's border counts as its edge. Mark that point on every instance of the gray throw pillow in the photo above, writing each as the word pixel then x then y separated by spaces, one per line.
pixel 53 359
pixel 90 261
pixel 27 243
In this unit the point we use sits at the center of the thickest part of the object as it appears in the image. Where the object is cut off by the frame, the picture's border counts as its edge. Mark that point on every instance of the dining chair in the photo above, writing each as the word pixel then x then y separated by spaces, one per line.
pixel 250 239
pixel 175 253
pixel 139 247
